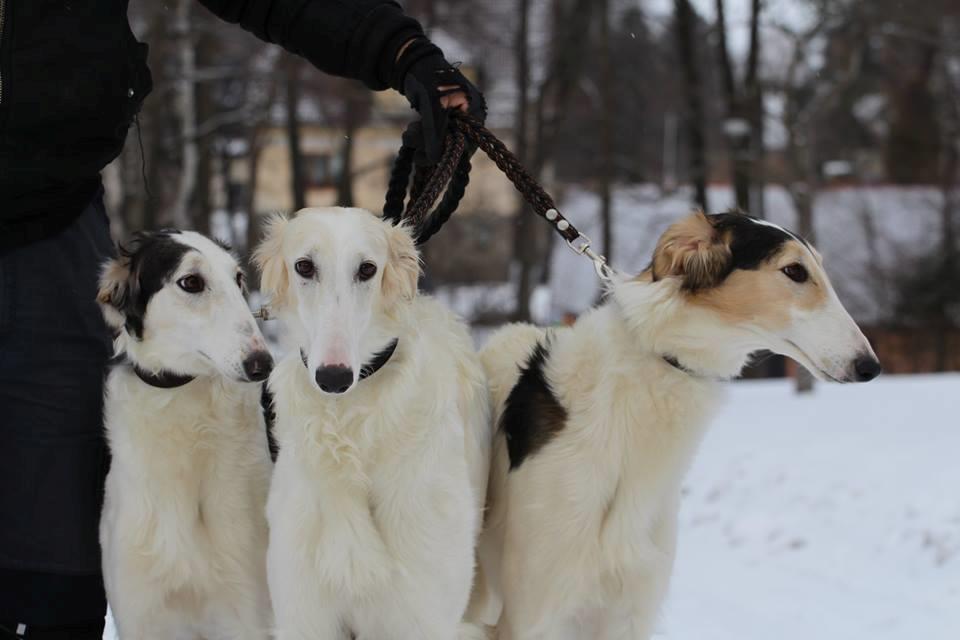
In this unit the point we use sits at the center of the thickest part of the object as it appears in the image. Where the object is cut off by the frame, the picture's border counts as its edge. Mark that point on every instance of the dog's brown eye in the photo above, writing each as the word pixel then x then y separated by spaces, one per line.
pixel 191 284
pixel 796 272
pixel 367 270
pixel 305 268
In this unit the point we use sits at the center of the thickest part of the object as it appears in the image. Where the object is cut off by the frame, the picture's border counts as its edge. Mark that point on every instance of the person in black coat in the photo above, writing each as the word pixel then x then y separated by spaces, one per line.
pixel 72 79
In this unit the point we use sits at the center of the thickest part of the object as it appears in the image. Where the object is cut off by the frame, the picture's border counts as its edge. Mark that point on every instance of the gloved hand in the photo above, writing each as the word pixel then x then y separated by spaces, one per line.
pixel 424 76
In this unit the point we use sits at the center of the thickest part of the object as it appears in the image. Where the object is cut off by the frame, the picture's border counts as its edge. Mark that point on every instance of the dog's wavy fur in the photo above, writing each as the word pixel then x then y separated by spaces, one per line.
pixel 377 497
pixel 183 530
pixel 597 427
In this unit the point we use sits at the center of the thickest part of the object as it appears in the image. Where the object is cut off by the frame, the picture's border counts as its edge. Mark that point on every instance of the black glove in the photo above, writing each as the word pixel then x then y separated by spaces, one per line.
pixel 419 73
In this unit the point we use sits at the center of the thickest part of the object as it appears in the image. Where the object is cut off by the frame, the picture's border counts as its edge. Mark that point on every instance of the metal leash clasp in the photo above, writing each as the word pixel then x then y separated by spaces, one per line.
pixel 581 246
pixel 263 314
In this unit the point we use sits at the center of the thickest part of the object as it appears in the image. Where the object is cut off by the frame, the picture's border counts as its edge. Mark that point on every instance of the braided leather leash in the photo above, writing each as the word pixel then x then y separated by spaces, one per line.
pixel 453 173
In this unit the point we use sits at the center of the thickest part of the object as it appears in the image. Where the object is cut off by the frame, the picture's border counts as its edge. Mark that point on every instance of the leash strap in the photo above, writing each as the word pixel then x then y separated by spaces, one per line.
pixel 466 134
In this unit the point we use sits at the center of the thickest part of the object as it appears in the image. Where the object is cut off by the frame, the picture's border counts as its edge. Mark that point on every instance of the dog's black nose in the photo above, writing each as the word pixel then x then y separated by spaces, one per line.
pixel 867 368
pixel 335 379
pixel 257 366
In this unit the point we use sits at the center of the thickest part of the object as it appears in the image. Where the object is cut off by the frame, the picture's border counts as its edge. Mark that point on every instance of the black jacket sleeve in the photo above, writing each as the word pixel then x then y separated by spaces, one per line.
pixel 350 38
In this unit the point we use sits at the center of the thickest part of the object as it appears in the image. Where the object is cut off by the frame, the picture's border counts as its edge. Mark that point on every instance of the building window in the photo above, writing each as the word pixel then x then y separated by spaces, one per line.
pixel 321 170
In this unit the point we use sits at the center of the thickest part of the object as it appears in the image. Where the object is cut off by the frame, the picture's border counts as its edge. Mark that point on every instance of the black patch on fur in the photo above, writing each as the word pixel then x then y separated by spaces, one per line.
pixel 153 258
pixel 532 415
pixel 269 418
pixel 751 244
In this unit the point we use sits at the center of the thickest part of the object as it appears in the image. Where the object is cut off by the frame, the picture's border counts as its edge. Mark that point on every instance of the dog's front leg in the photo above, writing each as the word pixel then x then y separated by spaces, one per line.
pixel 302 609
pixel 645 591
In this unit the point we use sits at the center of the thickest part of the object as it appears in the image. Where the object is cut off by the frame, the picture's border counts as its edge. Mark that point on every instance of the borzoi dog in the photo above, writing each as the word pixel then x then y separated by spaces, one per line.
pixel 183 530
pixel 383 424
pixel 599 422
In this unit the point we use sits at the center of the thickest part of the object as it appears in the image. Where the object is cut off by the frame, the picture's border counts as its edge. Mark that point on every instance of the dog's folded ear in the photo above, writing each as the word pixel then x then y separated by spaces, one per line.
pixel 402 271
pixel 117 286
pixel 274 278
pixel 694 250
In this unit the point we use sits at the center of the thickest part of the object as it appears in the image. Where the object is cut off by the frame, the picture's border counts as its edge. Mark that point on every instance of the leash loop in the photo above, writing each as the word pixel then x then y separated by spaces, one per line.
pixel 467 134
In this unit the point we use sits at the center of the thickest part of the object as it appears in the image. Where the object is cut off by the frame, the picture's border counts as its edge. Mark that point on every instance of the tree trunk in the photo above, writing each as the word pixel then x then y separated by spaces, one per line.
pixel 254 144
pixel 608 99
pixel 345 179
pixel 737 126
pixel 803 191
pixel 693 118
pixel 753 156
pixel 524 238
pixel 803 201
pixel 153 200
pixel 951 163
pixel 298 188
pixel 202 205
pixel 186 103
pixel 758 205
pixel 533 238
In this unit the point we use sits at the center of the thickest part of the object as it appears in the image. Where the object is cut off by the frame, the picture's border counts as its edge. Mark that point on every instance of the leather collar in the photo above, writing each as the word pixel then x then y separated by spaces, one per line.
pixel 370 368
pixel 162 379
pixel 673 362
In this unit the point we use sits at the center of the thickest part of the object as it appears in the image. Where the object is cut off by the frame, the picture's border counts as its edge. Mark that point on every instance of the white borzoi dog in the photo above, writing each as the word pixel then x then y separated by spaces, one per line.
pixel 183 530
pixel 599 422
pixel 383 424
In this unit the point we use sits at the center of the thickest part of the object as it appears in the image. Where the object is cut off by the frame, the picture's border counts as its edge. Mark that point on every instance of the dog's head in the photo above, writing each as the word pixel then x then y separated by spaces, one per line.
pixel 754 285
pixel 340 278
pixel 176 301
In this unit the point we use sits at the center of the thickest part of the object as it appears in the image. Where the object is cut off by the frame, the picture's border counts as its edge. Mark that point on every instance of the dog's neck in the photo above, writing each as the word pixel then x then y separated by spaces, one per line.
pixel 691 340
pixel 162 379
pixel 146 366
pixel 377 362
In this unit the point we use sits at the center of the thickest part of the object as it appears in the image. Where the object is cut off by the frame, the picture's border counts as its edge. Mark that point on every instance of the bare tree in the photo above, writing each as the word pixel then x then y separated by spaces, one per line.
pixel 569 21
pixel 950 166
pixel 298 188
pixel 807 96
pixel 187 111
pixel 524 232
pixel 684 26
pixel 345 179
pixel 742 104
pixel 607 116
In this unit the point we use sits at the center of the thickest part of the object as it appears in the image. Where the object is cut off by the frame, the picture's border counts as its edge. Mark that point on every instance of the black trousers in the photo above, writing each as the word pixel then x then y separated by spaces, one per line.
pixel 54 347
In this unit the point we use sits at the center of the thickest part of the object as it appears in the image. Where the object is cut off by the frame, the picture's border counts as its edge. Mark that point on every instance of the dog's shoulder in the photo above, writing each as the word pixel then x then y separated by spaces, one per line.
pixel 429 314
pixel 503 355
pixel 442 338
pixel 532 414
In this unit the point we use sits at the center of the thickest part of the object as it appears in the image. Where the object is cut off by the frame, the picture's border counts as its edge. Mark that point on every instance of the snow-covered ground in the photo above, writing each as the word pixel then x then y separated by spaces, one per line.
pixel 834 516
pixel 829 517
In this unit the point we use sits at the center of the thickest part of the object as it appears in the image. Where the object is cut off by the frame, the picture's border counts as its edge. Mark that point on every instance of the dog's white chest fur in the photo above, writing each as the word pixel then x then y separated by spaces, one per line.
pixel 376 499
pixel 590 516
pixel 183 528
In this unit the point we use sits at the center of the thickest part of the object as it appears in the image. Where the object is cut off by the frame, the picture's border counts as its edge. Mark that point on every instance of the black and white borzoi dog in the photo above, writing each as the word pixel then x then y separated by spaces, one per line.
pixel 599 422
pixel 183 529
pixel 383 423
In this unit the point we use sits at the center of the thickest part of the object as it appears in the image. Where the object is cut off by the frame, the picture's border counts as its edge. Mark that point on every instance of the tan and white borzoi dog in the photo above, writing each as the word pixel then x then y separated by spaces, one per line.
pixel 183 529
pixel 383 424
pixel 599 422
